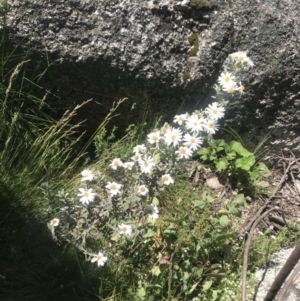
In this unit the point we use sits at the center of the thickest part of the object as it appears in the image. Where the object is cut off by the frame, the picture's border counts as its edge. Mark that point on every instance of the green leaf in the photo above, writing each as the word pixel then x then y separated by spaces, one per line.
pixel 239 199
pixel 245 163
pixel 155 270
pixel 155 201
pixel 200 204
pixel 224 221
pixel 156 158
pixel 149 234
pixel 204 151
pixel 239 149
pixel 253 175
pixel 233 210
pixel 221 164
pixel 215 295
pixel 141 293
pixel 193 288
pixel 207 285
pixel 230 155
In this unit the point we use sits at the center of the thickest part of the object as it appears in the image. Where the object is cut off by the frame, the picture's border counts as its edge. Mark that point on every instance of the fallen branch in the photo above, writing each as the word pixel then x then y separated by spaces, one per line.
pixel 288 283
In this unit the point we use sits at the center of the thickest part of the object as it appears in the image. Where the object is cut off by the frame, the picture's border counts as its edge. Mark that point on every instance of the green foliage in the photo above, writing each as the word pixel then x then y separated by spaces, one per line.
pixel 231 159
pixel 199 4
pixel 186 75
pixel 194 41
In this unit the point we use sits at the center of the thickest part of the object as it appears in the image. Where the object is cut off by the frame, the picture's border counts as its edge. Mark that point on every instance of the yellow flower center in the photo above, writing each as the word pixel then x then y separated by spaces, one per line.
pixel 86 193
pixel 173 137
pixel 230 90
pixel 210 125
pixel 215 111
pixel 193 140
pixel 99 257
pixel 113 186
pixel 124 229
pixel 227 79
pixel 242 88
pixel 146 163
pixel 182 150
pixel 165 178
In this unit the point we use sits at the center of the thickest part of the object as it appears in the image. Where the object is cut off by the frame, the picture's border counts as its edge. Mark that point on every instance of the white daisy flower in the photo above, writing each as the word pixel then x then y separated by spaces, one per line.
pixel 139 148
pixel 226 79
pixel 194 124
pixel 241 57
pixel 166 179
pixel 136 158
pixel 241 89
pixel 125 229
pixel 146 164
pixel 180 118
pixel 211 126
pixel 192 141
pixel 116 163
pixel 128 165
pixel 173 136
pixel 100 259
pixel 230 88
pixel 152 212
pixel 54 222
pixel 184 152
pixel 142 190
pixel 153 137
pixel 87 175
pixel 215 111
pixel 86 195
pixel 114 188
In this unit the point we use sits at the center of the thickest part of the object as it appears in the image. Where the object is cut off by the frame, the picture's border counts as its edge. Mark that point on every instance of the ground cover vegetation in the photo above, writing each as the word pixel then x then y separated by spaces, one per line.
pixel 129 225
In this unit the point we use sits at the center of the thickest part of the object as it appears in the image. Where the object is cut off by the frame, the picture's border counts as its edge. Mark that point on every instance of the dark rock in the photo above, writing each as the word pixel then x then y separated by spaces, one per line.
pixel 143 50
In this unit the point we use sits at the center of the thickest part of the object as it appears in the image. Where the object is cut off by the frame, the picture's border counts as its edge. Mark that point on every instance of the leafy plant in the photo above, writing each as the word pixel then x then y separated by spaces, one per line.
pixel 233 161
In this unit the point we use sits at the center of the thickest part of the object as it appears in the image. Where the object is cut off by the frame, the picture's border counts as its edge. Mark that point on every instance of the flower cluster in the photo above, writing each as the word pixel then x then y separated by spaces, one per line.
pixel 152 165
pixel 227 80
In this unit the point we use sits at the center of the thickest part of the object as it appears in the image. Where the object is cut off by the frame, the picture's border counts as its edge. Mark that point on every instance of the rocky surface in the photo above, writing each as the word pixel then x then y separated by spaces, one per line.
pixel 146 51
pixel 266 276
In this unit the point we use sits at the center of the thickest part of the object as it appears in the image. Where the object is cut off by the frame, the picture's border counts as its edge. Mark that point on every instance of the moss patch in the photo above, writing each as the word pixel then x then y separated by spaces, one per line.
pixel 198 4
pixel 186 75
pixel 194 41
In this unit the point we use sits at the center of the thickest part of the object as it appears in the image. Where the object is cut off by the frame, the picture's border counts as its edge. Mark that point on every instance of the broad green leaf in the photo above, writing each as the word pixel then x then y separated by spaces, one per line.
pixel 156 158
pixel 186 275
pixel 149 234
pixel 155 270
pixel 215 295
pixel 253 175
pixel 155 201
pixel 238 148
pixel 200 204
pixel 207 285
pixel 141 293
pixel 245 163
pixel 239 199
pixel 230 155
pixel 233 210
pixel 204 151
pixel 221 164
pixel 224 220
